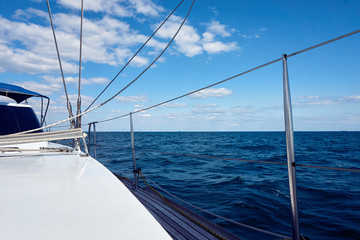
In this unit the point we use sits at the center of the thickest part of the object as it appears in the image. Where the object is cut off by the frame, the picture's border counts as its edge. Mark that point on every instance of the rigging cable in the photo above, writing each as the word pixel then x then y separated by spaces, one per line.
pixel 105 102
pixel 237 159
pixel 173 99
pixel 235 76
pixel 135 54
pixel 69 108
pixel 248 160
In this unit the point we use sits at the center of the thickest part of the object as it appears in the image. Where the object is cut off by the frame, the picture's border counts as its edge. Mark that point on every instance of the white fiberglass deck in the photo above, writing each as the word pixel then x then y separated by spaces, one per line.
pixel 66 196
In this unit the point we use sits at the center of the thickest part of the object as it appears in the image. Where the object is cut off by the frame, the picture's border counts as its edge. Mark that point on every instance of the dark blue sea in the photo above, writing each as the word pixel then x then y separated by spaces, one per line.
pixel 256 194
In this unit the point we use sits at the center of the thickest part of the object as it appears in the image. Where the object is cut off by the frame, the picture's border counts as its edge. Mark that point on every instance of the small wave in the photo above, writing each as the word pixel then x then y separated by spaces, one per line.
pixel 259 147
pixel 234 181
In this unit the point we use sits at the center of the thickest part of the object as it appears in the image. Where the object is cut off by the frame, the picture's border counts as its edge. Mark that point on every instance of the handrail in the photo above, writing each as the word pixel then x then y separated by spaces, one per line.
pixel 89 137
pixel 290 152
pixel 237 75
pixel 44 136
pixel 218 216
pixel 248 160
pixel 237 159
pixel 187 94
pixel 133 151
pixel 288 126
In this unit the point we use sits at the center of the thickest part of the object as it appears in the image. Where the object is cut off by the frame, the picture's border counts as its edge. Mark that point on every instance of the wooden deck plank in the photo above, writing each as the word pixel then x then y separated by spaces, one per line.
pixel 175 229
pixel 156 206
pixel 214 227
pixel 186 224
pixel 178 226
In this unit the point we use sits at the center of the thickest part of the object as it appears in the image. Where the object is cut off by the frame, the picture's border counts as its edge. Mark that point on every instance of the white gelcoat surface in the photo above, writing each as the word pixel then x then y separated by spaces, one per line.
pixel 66 196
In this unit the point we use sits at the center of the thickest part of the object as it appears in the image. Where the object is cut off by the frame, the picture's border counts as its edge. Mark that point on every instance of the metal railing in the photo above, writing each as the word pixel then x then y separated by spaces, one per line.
pixel 291 164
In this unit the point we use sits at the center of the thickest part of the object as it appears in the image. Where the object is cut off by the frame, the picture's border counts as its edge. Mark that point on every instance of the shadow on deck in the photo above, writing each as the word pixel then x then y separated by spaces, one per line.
pixel 176 224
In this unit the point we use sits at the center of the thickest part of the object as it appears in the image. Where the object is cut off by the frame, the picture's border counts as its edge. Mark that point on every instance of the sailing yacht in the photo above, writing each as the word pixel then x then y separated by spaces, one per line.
pixel 51 191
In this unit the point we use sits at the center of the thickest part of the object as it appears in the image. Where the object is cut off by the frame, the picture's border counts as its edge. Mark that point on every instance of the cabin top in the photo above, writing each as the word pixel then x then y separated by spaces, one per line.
pixel 16 118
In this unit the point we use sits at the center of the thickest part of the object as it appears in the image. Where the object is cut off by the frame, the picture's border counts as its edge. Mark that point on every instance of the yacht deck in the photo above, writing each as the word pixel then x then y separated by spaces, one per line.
pixel 177 225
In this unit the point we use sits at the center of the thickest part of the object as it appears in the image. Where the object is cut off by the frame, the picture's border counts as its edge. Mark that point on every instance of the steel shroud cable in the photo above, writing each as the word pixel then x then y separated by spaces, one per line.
pixel 173 99
pixel 72 123
pixel 135 54
pixel 102 104
pixel 238 75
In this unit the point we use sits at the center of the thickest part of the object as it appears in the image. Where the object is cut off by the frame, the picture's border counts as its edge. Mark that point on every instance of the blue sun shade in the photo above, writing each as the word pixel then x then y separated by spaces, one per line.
pixel 17 93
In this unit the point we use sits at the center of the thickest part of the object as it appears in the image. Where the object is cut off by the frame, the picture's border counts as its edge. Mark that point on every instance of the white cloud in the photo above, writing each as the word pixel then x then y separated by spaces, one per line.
pixel 208 37
pixel 106 40
pixel 75 80
pixel 4 99
pixel 146 7
pixel 118 8
pixel 219 29
pixel 255 35
pixel 44 89
pixel 118 111
pixel 217 47
pixel 23 61
pixel 190 43
pixel 146 115
pixel 34 56
pixel 186 42
pixel 210 45
pixel 133 99
pixel 207 105
pixel 211 111
pixel 175 105
pixel 85 100
pixel 243 110
pixel 306 101
pixel 212 92
pixel 139 61
pixel 97 80
pixel 112 7
pixel 177 116
pixel 214 110
pixel 57 109
pixel 351 99
pixel 29 13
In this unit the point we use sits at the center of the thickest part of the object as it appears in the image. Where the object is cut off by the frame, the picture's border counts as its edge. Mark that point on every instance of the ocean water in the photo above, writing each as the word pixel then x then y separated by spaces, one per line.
pixel 256 194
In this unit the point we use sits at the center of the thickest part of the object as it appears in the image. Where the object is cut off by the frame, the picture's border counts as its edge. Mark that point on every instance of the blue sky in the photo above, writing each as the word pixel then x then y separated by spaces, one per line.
pixel 220 39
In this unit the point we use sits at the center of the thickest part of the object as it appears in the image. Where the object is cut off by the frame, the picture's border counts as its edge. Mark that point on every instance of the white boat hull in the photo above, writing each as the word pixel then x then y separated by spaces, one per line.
pixel 67 196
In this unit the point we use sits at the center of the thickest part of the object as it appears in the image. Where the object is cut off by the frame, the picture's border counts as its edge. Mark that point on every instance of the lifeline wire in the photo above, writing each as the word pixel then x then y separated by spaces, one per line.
pixel 135 54
pixel 238 75
pixel 173 99
pixel 218 216
pixel 102 104
pixel 61 69
pixel 238 159
pixel 182 212
pixel 253 161
pixel 195 91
